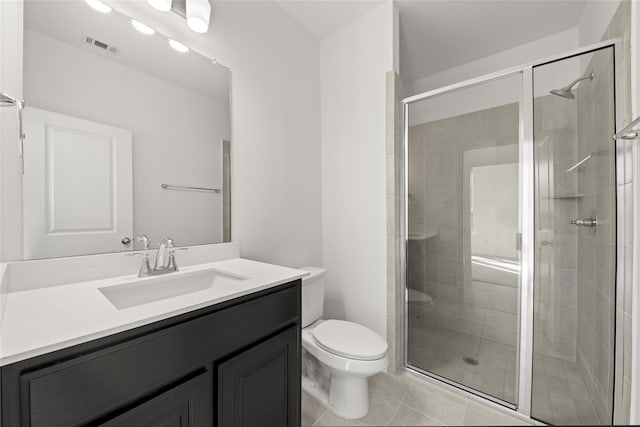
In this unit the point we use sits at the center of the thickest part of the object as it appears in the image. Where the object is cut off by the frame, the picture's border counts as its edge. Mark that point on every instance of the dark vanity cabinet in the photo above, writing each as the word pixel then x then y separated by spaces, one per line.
pixel 236 363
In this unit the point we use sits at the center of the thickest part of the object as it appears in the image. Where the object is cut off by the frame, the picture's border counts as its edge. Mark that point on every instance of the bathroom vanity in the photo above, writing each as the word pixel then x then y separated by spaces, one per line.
pixel 224 356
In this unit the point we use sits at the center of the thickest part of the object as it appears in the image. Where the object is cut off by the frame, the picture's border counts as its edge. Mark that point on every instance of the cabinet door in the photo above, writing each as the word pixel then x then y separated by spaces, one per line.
pixel 261 386
pixel 186 405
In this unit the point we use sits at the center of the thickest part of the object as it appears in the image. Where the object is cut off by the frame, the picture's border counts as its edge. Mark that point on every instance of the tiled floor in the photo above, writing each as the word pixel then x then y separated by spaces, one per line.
pixel 407 401
pixel 559 394
pixel 442 351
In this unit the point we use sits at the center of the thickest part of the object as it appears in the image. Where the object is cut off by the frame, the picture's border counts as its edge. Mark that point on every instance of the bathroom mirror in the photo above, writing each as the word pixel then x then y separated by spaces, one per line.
pixel 125 135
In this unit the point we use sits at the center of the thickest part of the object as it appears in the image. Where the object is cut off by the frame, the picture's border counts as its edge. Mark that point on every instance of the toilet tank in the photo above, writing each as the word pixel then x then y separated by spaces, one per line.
pixel 312 295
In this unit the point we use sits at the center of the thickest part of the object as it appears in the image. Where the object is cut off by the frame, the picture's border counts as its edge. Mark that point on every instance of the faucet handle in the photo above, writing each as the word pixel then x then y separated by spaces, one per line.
pixel 172 259
pixel 144 267
pixel 145 240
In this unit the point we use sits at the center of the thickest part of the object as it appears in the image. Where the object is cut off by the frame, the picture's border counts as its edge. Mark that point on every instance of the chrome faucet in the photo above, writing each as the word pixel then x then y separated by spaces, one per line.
pixel 163 264
pixel 145 241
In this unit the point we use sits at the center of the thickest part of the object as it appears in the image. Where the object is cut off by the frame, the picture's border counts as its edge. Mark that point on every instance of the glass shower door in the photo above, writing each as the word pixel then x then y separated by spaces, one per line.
pixel 575 238
pixel 463 255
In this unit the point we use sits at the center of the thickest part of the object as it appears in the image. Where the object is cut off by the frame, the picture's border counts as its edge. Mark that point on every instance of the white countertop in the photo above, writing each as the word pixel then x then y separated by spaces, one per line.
pixel 42 320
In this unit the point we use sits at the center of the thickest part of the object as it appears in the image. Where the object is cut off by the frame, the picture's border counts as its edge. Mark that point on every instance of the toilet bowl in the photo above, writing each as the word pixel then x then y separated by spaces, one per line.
pixel 349 352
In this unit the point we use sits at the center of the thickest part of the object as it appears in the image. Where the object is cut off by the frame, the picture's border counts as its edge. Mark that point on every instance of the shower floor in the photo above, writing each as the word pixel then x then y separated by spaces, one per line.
pixel 559 394
pixel 443 351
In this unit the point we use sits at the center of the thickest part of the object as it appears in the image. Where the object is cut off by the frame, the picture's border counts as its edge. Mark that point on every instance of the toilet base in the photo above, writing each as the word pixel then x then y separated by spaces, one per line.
pixel 349 396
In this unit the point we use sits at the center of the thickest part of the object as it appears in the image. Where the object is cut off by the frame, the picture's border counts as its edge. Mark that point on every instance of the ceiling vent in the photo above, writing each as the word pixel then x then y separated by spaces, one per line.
pixel 105 47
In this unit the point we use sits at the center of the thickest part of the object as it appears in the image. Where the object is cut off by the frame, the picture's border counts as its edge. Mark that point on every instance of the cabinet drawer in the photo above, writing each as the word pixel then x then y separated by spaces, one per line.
pixel 91 386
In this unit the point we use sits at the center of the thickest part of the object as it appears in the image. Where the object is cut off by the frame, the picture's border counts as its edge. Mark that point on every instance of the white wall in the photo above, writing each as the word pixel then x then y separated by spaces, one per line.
pixel 275 124
pixel 275 110
pixel 595 18
pixel 539 49
pixel 177 133
pixel 496 93
pixel 353 63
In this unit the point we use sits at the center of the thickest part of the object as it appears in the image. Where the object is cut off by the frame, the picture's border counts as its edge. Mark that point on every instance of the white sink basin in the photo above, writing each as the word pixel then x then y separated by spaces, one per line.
pixel 145 290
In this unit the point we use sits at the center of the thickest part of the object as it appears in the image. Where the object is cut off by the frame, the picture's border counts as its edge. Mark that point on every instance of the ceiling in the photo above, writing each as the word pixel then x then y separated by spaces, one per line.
pixel 436 35
pixel 73 21
pixel 323 17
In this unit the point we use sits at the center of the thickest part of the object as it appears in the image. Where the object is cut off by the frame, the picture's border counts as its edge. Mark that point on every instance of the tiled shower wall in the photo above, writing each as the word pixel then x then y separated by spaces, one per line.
pixel 436 264
pixel 555 300
pixel 395 231
pixel 620 26
pixel 599 247
pixel 596 246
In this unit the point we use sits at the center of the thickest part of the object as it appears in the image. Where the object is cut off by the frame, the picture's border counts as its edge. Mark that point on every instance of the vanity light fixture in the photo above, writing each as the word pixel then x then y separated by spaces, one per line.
pixel 178 46
pixel 161 5
pixel 198 15
pixel 143 28
pixel 98 5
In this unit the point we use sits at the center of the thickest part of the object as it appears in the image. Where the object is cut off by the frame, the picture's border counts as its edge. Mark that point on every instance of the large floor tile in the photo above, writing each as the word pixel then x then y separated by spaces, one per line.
pixel 436 403
pixel 477 414
pixel 329 419
pixel 312 410
pixel 406 416
pixel 394 386
pixel 381 409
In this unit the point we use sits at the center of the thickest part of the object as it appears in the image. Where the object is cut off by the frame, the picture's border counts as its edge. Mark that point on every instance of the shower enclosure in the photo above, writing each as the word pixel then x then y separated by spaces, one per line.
pixel 511 236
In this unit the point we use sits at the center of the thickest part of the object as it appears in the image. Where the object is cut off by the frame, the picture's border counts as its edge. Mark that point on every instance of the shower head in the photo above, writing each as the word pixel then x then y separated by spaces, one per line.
pixel 566 92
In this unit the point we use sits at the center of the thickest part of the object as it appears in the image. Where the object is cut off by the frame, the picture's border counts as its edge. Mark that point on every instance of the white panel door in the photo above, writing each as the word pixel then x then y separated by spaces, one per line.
pixel 77 186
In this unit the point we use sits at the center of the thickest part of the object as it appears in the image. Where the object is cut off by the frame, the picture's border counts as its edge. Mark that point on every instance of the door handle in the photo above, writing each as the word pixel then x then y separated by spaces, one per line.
pixel 126 241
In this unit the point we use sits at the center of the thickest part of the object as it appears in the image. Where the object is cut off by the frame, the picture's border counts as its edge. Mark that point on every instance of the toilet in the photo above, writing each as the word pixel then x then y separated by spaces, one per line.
pixel 347 352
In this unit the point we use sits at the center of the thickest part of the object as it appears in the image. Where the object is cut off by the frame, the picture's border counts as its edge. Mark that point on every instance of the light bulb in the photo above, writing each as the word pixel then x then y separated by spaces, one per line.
pixel 98 5
pixel 162 5
pixel 198 15
pixel 178 46
pixel 143 28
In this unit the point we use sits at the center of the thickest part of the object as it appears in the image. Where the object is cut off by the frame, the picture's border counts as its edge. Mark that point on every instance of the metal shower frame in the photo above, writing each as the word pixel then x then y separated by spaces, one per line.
pixel 524 369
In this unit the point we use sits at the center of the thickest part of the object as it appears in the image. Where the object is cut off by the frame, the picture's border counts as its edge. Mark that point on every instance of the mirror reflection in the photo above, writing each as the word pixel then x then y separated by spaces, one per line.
pixel 126 135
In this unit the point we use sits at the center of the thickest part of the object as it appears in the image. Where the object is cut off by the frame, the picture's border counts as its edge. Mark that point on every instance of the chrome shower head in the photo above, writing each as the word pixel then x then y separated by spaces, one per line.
pixel 566 92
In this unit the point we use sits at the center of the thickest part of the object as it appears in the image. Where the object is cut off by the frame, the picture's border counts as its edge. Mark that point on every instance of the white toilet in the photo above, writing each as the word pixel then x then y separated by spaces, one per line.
pixel 349 352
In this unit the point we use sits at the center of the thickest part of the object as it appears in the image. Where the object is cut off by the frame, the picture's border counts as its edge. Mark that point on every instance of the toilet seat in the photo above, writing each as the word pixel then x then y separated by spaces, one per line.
pixel 348 339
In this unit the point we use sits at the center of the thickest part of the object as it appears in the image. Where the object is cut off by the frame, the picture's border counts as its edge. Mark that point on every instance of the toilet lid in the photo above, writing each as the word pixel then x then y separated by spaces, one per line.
pixel 350 340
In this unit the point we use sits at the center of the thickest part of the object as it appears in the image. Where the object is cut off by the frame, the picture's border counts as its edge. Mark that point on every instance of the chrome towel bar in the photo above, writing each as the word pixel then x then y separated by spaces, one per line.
pixel 184 187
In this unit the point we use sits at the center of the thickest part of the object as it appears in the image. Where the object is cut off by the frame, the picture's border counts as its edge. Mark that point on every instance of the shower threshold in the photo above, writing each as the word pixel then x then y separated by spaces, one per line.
pixel 459 387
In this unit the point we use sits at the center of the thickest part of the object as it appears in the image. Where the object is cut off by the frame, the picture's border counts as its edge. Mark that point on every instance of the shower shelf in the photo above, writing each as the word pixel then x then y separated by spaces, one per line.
pixel 418 235
pixel 568 196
